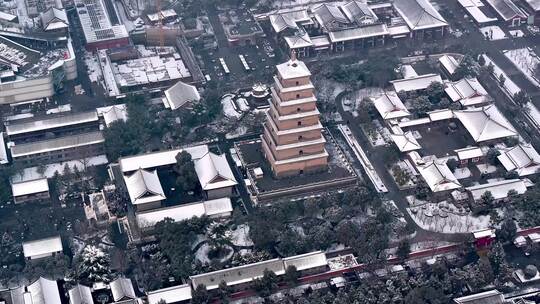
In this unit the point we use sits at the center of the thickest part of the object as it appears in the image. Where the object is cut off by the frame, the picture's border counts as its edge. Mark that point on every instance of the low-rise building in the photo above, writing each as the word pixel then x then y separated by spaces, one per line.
pixel 172 295
pixel 43 248
pixel 82 146
pixel 215 175
pixel 469 155
pixel 144 188
pixel 415 83
pixel 218 208
pixel 485 124
pixel 80 294
pixel 508 11
pixel 491 297
pixel 390 106
pixel 499 189
pixel 180 94
pixel 31 191
pixel 122 290
pixel 448 65
pixel 468 92
pixel 438 176
pixel 522 158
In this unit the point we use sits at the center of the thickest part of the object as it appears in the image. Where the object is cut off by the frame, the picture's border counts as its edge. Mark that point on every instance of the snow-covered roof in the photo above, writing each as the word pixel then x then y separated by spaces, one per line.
pixel 180 94
pixel 113 113
pixel 214 172
pixel 184 212
pixel 327 14
pixel 438 176
pixel 469 152
pixel 288 20
pixel 534 4
pixel 449 63
pixel 390 106
pixel 306 261
pixel 523 158
pixel 43 291
pixel 406 141
pixel 144 187
pixel 170 295
pixel 293 68
pixel 468 91
pixel 122 289
pixel 7 17
pixel 54 19
pixel 30 187
pixel 3 152
pixel 218 206
pixel 358 32
pixel 300 40
pixel 480 234
pixel 80 294
pixel 96 23
pixel 60 143
pixel 419 14
pixel 42 247
pixel 420 82
pixel 359 12
pixel 50 123
pixel 158 159
pixel 441 114
pixel 237 275
pixel 485 123
pixel 507 9
pixel 498 189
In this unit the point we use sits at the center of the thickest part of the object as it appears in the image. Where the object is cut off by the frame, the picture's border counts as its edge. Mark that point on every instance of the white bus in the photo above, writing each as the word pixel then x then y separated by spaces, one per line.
pixel 224 66
pixel 244 62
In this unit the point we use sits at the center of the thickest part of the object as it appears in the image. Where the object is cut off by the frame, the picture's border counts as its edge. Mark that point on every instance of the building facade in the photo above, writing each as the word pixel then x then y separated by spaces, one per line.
pixel 292 141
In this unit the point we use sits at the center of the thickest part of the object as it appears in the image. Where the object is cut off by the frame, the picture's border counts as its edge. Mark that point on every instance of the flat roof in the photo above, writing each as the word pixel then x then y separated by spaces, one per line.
pixel 306 261
pixel 42 246
pixel 56 144
pixel 15 128
pixel 3 152
pixel 158 159
pixel 420 82
pixel 30 187
pixel 170 295
pixel 96 23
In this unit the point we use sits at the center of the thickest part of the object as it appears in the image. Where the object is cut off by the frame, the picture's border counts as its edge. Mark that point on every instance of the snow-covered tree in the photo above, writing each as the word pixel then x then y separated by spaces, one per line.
pixel 94 265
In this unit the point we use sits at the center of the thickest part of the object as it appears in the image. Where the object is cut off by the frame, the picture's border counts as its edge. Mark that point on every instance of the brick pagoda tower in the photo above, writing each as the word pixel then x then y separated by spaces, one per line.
pixel 292 139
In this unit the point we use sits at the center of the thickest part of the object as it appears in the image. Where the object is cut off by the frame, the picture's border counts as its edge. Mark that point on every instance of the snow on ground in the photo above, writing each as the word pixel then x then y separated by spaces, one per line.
pixel 243 104
pixel 526 61
pixel 32 173
pixel 486 168
pixel 241 130
pixel 516 33
pixel 493 32
pixel 202 254
pixel 240 236
pixel 509 85
pixel 461 173
pixel 534 114
pixel 446 218
pixel 92 66
pixel 229 108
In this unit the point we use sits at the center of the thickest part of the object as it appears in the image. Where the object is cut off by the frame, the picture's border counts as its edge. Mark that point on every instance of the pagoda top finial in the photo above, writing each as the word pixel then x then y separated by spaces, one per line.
pixel 293 55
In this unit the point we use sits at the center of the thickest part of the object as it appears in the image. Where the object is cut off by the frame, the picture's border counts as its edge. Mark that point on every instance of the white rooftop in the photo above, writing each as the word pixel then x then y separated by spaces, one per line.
pixel 293 68
pixel 42 247
pixel 498 189
pixel 122 289
pixel 170 295
pixel 214 172
pixel 523 158
pixel 3 152
pixel 180 94
pixel 438 176
pixel 30 187
pixel 42 291
pixel 60 143
pixel 449 63
pixel 419 14
pixel 50 123
pixel 406 141
pixel 469 152
pixel 80 294
pixel 306 261
pixel 467 91
pixel 184 212
pixel 420 82
pixel 158 159
pixel 95 22
pixel 113 113
pixel 390 106
pixel 485 123
pixel 144 187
